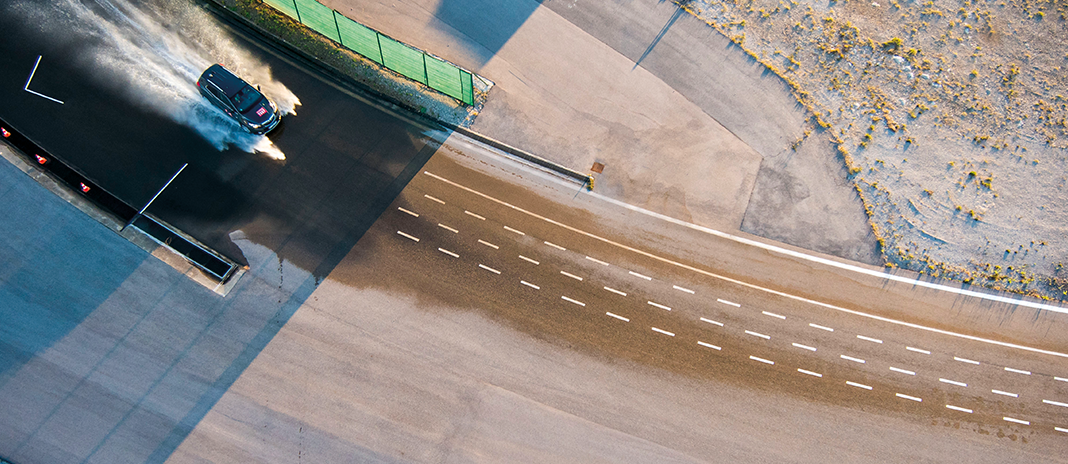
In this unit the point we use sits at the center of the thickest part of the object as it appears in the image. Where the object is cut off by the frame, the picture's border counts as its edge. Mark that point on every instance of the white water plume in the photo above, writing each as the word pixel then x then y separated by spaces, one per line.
pixel 155 51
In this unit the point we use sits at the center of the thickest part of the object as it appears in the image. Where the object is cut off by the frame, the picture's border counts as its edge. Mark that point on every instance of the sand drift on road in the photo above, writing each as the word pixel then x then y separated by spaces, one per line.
pixel 153 52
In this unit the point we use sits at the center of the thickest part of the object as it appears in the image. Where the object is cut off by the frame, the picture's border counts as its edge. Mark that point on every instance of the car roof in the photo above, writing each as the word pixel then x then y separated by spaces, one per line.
pixel 223 78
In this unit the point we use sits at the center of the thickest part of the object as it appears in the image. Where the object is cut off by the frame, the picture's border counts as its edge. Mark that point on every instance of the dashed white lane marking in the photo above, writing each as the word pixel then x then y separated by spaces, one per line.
pixel 635 274
pixel 821 327
pixel 402 234
pixel 1056 403
pixel 968 361
pixel 814 374
pixel 597 261
pixel 755 334
pixel 765 361
pixel 528 284
pixel 617 292
pixel 454 255
pixel 709 345
pixel 869 339
pixel 731 303
pixel 572 300
pixel 663 332
pixel 917 350
pixel 524 258
pixel 409 212
pixel 777 316
pixel 710 321
pixel 903 371
pixel 1061 429
pixel 1062 379
pixel 474 215
pixel 1005 393
pixel 858 385
pixel 952 382
pixel 434 199
pixel 509 229
pixel 1018 421
pixel 958 408
pixel 558 247
pixel 850 358
pixel 681 289
pixel 495 247
pixel 483 266
pixel 1018 371
pixel 908 397
pixel 658 305
pixel 804 347
pixel 573 276
pixel 450 229
pixel 617 316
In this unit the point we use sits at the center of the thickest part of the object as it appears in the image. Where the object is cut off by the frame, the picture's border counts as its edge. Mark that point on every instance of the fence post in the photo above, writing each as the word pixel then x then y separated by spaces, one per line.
pixel 338 28
pixel 426 75
pixel 297 9
pixel 381 54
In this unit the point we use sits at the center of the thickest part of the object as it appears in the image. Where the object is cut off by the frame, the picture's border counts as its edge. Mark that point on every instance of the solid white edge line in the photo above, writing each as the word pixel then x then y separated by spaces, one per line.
pixel 473 215
pixel 617 316
pixel 524 258
pixel 869 339
pixel 409 212
pixel 408 236
pixel 709 345
pixel 434 199
pixel 635 274
pixel 850 358
pixel 528 284
pixel 903 371
pixel 765 361
pixel 882 275
pixel 1018 421
pixel 778 316
pixel 731 303
pixel 1061 429
pixel 710 321
pixel 1056 403
pixel 658 305
pixel 814 374
pixel 573 276
pixel 681 289
pixel 495 247
pixel 755 334
pixel 858 385
pixel 908 397
pixel 1062 379
pixel 597 261
pixel 558 247
pixel 821 327
pixel 454 255
pixel 958 408
pixel 952 382
pixel 572 300
pixel 514 230
pixel 804 347
pixel 969 361
pixel 1018 371
pixel 483 266
pixel 1005 393
pixel 617 292
pixel 450 229
pixel 663 332
pixel 917 350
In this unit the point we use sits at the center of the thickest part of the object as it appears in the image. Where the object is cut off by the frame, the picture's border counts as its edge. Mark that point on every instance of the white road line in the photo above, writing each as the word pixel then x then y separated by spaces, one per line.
pixel 908 397
pixel 917 350
pixel 1061 429
pixel 495 247
pixel 765 361
pixel 681 289
pixel 524 258
pixel 27 86
pixel 663 332
pixel 999 392
pixel 958 408
pixel 821 327
pixel 731 303
pixel 952 382
pixel 573 301
pixel 409 212
pixel 710 321
pixel 870 272
pixel 473 215
pixel 635 274
pixel 509 229
pixel 1062 379
pixel 558 247
pixel 850 358
pixel 597 261
pixel 454 255
pixel 483 266
pixel 617 292
pixel 858 385
pixel 658 305
pixel 618 317
pixel 434 199
pixel 969 361
pixel 869 339
pixel 1018 421
pixel 1018 371
pixel 1056 403
pixel 402 234
pixel 755 334
pixel 528 284
pixel 814 374
pixel 450 229
pixel 903 371
pixel 779 316
pixel 573 276
pixel 709 345
pixel 804 347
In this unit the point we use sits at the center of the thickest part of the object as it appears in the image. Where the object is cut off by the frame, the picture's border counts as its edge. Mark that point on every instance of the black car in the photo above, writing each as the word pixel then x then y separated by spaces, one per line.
pixel 239 100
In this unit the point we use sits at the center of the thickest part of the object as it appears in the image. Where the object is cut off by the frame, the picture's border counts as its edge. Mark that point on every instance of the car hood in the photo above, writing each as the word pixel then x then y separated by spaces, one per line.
pixel 260 113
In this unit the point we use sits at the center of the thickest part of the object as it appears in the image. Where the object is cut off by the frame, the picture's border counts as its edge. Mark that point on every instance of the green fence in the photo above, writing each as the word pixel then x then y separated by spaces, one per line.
pixel 412 63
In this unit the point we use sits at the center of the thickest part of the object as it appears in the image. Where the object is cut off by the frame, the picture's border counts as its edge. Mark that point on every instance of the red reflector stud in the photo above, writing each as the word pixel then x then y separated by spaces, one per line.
pixel 4 132
pixel 85 188
pixel 41 159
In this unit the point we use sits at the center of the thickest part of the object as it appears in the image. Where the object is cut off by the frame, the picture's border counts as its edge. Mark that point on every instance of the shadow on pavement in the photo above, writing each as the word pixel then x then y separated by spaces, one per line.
pixel 488 23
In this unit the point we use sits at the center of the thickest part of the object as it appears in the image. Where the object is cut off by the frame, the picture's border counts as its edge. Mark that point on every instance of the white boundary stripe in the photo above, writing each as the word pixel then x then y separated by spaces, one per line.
pixel 1056 403
pixel 454 255
pixel 573 276
pixel 658 305
pixel 528 284
pixel 1062 379
pixel 958 408
pixel 558 247
pixel 1018 371
pixel 617 316
pixel 635 274
pixel 765 361
pixel 433 199
pixel 710 321
pixel 524 258
pixel 755 334
pixel 483 266
pixel 597 261
pixel 1014 395
pixel 709 345
pixel 850 358
pixel 1018 421
pixel 473 215
pixel 681 289
pixel 778 316
pixel 731 303
pixel 572 300
pixel 409 212
pixel 917 350
pixel 402 234
pixel 804 347
pixel 1061 429
pixel 952 382
pixel 814 374
pixel 903 371
pixel 878 274
pixel 908 397
pixel 509 229
pixel 495 247
pixel 969 361
pixel 858 385
pixel 617 292
pixel 821 327
pixel 663 332
pixel 450 229
pixel 27 86
pixel 869 339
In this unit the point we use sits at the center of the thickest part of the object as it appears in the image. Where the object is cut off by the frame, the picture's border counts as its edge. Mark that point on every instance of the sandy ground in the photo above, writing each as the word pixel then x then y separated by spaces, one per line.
pixel 950 116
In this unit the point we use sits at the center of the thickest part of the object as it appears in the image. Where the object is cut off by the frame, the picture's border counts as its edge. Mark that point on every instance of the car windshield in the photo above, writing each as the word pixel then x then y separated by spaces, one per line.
pixel 245 98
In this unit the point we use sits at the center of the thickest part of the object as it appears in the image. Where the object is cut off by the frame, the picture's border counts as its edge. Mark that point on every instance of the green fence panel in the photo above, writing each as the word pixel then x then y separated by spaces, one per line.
pixel 468 95
pixel 443 77
pixel 403 59
pixel 318 17
pixel 359 38
pixel 285 6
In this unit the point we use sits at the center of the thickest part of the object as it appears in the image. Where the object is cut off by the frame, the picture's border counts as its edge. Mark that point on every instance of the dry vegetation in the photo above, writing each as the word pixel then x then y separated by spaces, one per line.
pixel 950 116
